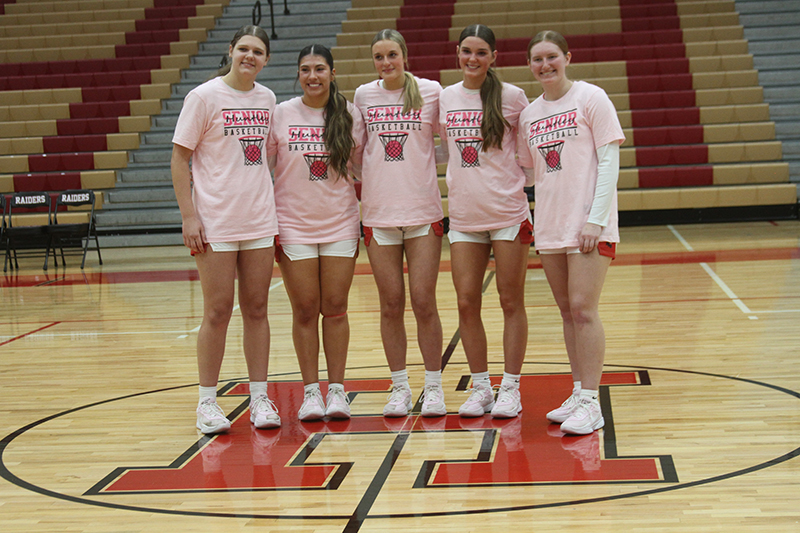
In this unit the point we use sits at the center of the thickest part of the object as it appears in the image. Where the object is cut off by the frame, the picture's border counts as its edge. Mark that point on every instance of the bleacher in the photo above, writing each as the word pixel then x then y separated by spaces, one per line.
pixel 81 80
pixel 700 142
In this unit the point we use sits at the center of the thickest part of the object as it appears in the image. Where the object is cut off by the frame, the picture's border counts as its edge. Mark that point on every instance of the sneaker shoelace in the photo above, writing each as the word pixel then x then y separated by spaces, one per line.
pixel 433 393
pixel 263 403
pixel 475 394
pixel 396 396
pixel 338 394
pixel 505 395
pixel 210 409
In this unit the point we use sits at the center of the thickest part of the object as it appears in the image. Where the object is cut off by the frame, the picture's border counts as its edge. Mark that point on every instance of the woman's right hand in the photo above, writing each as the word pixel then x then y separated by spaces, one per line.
pixel 194 235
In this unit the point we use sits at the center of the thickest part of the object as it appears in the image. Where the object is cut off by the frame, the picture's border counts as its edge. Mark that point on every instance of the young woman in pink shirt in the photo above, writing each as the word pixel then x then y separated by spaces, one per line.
pixel 570 137
pixel 402 214
pixel 229 222
pixel 314 143
pixel 489 212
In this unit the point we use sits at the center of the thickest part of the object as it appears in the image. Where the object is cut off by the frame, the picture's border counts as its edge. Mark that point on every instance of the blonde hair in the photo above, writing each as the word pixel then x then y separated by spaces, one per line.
pixel 412 99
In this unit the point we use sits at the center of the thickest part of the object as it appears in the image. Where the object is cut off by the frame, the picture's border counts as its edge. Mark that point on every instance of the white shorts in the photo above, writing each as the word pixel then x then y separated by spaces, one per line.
pixel 389 236
pixel 567 250
pixel 250 244
pixel 297 252
pixel 485 237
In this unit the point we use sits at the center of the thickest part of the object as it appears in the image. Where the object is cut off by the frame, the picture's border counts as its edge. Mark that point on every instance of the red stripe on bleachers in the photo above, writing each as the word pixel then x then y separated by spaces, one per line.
pixel 676 177
pixel 75 143
pixel 51 181
pixel 99 109
pixel 87 126
pixel 661 156
pixel 61 162
pixel 423 24
pixel 109 94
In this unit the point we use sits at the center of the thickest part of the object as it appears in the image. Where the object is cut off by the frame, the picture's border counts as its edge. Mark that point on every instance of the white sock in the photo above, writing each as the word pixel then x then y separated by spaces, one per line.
pixel 311 387
pixel 433 376
pixel 576 388
pixel 257 388
pixel 510 381
pixel 208 392
pixel 589 394
pixel 400 378
pixel 481 379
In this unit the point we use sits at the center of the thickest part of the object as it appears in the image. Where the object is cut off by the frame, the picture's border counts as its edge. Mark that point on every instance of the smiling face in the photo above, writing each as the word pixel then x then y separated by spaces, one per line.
pixel 475 56
pixel 248 56
pixel 548 64
pixel 315 76
pixel 389 63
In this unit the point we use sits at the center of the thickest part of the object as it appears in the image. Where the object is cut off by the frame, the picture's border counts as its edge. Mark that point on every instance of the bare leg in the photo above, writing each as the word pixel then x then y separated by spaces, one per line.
pixel 387 268
pixel 511 259
pixel 423 255
pixel 255 275
pixel 336 276
pixel 587 273
pixel 469 261
pixel 302 285
pixel 217 281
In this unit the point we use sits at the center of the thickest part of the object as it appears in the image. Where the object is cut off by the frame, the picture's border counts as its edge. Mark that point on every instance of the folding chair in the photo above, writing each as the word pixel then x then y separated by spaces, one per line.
pixel 74 235
pixel 26 240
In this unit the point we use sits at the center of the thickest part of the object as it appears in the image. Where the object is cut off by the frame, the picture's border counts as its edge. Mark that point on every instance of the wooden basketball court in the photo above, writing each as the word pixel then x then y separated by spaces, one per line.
pixel 701 397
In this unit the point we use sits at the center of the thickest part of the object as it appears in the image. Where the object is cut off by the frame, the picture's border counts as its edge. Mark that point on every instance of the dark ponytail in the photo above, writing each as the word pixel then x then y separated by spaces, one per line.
pixel 338 121
pixel 494 124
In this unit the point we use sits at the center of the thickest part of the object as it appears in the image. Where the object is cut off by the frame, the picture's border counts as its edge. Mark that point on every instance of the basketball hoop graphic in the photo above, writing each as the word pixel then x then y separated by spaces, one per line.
pixel 317 165
pixel 470 147
pixel 252 150
pixel 552 155
pixel 393 145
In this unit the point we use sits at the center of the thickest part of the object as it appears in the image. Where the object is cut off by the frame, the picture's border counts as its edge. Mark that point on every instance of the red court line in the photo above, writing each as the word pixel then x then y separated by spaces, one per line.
pixel 29 333
pixel 158 276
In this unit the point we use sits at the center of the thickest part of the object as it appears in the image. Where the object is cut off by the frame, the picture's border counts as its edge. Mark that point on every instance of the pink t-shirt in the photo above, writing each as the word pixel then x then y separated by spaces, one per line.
pixel 313 206
pixel 227 131
pixel 562 138
pixel 399 187
pixel 485 189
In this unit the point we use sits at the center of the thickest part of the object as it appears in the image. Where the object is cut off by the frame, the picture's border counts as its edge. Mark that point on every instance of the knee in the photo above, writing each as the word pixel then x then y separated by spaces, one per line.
pixel 469 305
pixel 393 306
pixel 512 302
pixel 424 306
pixel 306 313
pixel 333 307
pixel 581 314
pixel 254 311
pixel 218 313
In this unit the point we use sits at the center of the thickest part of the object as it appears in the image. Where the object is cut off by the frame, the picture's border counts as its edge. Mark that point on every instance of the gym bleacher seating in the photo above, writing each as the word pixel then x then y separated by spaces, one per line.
pixel 699 135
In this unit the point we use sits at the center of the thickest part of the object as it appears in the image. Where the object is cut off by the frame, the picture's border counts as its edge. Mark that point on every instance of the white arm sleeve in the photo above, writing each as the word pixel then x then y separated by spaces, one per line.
pixel 529 176
pixel 607 176
pixel 441 153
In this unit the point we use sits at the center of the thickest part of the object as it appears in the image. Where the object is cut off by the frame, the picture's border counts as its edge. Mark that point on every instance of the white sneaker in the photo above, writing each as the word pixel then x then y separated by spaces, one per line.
pixel 480 402
pixel 508 404
pixel 210 417
pixel 338 404
pixel 560 414
pixel 263 413
pixel 399 402
pixel 313 407
pixel 586 418
pixel 433 400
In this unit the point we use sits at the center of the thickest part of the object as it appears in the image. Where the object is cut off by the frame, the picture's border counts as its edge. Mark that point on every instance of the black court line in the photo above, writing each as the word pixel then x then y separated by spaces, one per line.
pixel 12 478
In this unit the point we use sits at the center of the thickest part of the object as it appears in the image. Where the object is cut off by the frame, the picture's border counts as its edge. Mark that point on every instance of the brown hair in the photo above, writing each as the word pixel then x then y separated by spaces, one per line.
pixel 549 36
pixel 255 31
pixel 494 124
pixel 338 120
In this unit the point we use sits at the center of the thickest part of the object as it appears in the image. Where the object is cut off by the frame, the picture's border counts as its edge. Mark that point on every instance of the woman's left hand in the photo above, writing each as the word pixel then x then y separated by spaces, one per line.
pixel 589 237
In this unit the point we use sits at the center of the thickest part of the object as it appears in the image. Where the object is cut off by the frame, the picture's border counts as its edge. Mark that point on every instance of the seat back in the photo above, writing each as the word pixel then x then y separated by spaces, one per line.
pixel 27 201
pixel 75 198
